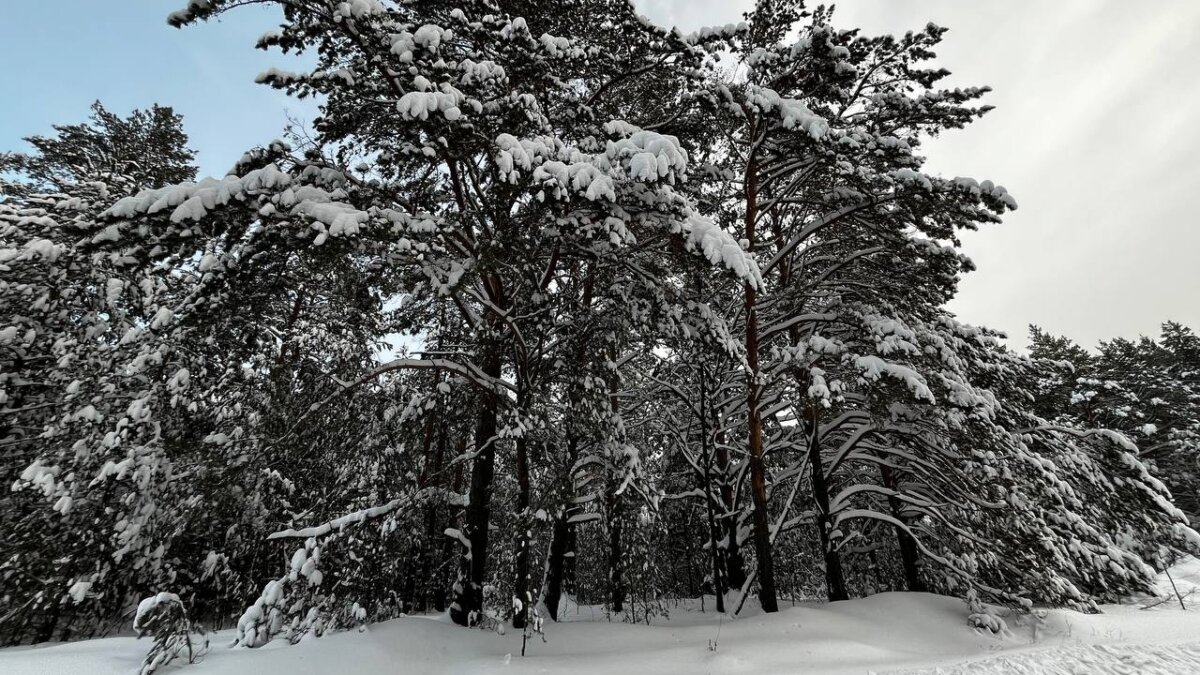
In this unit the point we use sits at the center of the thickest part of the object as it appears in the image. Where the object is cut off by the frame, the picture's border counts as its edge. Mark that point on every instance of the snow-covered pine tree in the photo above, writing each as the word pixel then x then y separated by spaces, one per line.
pixel 509 154
pixel 168 357
pixel 1147 390
pixel 68 376
pixel 822 180
pixel 489 319
pixel 147 147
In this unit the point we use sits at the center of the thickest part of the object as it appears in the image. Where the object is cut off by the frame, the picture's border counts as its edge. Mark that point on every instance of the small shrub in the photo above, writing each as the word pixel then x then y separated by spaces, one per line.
pixel 164 619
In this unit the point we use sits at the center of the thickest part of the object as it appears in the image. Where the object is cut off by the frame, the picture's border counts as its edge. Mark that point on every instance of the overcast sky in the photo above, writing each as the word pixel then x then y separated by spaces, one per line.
pixel 1096 129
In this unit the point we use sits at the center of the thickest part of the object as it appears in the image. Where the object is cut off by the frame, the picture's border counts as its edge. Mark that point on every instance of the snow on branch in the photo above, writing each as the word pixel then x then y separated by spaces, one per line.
pixel 873 368
pixel 363 515
pixel 719 247
pixel 339 523
pixel 468 370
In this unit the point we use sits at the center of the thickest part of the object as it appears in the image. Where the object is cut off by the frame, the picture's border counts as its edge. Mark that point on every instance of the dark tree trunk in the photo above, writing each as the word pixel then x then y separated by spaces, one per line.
pixel 909 554
pixel 616 582
pixel 762 534
pixel 569 567
pixel 440 600
pixel 715 555
pixel 561 541
pixel 758 471
pixel 735 567
pixel 560 565
pixel 419 561
pixel 430 590
pixel 46 632
pixel 710 509
pixel 556 564
pixel 873 569
pixel 835 582
pixel 468 603
pixel 521 572
pixel 429 586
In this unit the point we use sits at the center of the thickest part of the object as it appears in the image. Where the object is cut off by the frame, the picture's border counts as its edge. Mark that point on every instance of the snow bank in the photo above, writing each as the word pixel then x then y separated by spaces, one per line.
pixel 890 632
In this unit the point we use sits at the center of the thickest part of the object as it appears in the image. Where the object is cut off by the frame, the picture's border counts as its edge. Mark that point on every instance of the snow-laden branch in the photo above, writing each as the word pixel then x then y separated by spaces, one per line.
pixel 339 523
pixel 819 317
pixel 362 515
pixel 1109 435
pixel 468 370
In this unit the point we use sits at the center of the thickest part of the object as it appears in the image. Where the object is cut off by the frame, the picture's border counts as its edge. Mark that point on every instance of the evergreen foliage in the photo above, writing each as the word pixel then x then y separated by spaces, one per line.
pixel 555 306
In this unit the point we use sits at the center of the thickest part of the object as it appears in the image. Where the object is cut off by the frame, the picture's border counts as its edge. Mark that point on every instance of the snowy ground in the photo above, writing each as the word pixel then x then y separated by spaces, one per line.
pixel 887 633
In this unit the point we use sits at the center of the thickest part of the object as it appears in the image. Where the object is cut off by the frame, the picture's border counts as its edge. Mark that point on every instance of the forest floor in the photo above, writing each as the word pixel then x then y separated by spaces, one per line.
pixel 910 633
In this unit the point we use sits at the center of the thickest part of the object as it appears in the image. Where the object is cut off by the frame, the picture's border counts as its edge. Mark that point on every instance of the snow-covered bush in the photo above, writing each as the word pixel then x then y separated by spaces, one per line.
pixel 163 618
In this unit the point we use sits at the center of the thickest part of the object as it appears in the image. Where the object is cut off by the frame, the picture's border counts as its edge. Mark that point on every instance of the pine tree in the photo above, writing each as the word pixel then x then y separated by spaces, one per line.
pixel 552 307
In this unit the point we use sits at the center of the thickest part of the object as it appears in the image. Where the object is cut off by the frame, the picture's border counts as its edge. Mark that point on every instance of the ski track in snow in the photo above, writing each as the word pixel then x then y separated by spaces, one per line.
pixel 1081 660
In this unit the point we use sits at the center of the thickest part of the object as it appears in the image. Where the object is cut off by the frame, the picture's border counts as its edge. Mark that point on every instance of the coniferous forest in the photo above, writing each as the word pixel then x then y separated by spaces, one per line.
pixel 551 305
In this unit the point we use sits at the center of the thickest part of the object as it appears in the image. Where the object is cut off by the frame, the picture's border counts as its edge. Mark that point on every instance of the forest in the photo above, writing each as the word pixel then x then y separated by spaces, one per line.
pixel 551 305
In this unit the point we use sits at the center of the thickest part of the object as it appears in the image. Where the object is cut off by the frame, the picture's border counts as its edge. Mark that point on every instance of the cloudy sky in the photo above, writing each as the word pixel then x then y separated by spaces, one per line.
pixel 1096 131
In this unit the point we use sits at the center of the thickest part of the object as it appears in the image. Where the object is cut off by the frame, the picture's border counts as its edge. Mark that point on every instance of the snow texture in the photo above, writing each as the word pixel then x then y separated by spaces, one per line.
pixel 720 247
pixel 909 633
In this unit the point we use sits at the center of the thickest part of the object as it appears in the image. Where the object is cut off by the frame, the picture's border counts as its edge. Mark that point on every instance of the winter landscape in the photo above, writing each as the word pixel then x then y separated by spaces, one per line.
pixel 597 336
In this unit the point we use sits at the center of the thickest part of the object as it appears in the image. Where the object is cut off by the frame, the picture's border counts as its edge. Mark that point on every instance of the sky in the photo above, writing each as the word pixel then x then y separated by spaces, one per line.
pixel 1096 130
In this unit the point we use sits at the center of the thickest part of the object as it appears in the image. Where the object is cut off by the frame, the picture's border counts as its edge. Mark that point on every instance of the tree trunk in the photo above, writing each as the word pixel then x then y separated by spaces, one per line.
pixel 735 567
pixel 909 554
pixel 758 473
pixel 569 563
pixel 762 535
pixel 468 603
pixel 616 584
pixel 835 582
pixel 430 589
pixel 874 571
pixel 439 600
pixel 555 565
pixel 709 498
pixel 521 580
pixel 757 464
pixel 46 632
pixel 419 566
pixel 560 565
pixel 560 540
